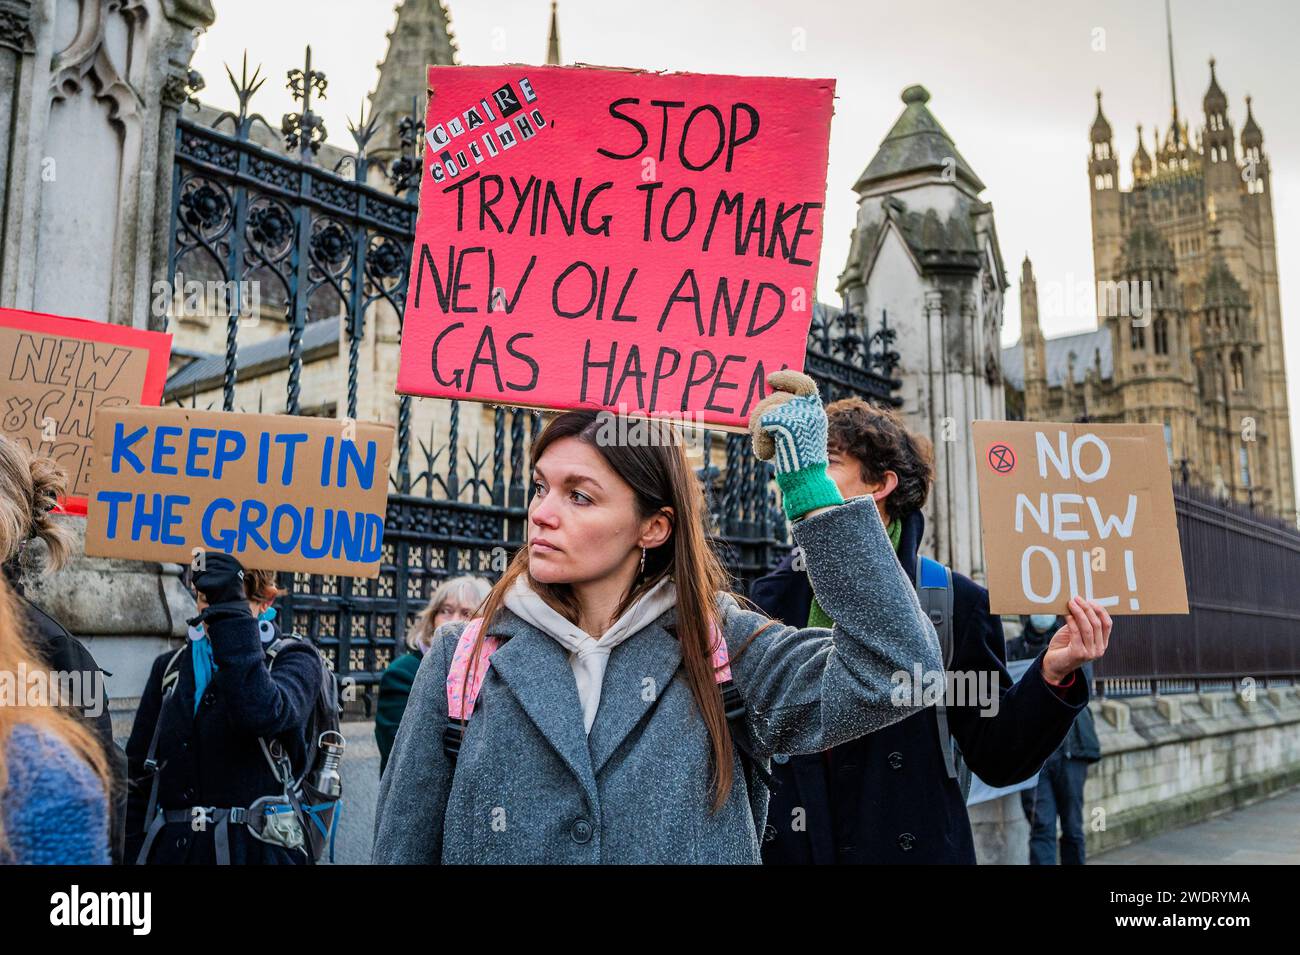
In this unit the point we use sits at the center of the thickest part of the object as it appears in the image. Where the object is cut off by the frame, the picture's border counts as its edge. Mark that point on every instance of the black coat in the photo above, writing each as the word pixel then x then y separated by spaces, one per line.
pixel 212 757
pixel 62 652
pixel 886 797
pixel 1081 742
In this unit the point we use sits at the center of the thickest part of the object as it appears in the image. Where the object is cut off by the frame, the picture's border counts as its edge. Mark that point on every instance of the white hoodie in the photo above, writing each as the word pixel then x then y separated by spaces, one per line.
pixel 588 656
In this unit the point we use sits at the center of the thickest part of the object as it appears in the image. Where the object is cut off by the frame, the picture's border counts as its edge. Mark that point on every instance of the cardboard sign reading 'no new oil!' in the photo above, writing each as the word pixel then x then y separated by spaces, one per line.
pixel 594 238
pixel 1082 509
pixel 279 492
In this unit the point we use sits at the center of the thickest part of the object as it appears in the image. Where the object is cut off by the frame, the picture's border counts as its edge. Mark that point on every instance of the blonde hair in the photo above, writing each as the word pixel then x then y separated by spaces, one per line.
pixel 16 655
pixel 30 486
pixel 421 632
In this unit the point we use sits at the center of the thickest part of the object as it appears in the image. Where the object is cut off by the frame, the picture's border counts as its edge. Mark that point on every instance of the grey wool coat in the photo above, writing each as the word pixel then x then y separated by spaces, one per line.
pixel 530 786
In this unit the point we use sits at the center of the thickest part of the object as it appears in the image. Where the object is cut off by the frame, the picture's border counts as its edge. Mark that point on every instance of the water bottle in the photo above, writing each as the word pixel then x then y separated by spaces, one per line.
pixel 327 780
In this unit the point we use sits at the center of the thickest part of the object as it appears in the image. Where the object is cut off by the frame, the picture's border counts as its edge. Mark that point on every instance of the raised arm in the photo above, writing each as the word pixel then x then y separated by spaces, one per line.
pixel 810 689
pixel 263 701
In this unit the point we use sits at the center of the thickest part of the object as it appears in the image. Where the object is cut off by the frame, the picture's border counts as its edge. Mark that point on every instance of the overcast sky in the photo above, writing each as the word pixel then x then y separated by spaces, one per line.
pixel 1011 80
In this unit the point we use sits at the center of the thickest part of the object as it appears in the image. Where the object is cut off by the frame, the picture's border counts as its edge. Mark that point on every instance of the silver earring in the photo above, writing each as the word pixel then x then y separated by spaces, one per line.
pixel 642 560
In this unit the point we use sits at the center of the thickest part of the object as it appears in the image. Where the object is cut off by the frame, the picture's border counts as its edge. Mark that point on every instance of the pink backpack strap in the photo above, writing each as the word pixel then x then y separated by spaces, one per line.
pixel 721 662
pixel 461 698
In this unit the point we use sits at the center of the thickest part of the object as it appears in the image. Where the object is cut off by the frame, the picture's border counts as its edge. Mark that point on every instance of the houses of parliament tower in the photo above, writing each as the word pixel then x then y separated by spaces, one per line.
pixel 1189 318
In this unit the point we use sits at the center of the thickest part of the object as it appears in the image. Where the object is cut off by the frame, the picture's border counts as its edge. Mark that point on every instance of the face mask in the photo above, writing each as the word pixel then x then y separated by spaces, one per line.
pixel 1042 622
pixel 197 633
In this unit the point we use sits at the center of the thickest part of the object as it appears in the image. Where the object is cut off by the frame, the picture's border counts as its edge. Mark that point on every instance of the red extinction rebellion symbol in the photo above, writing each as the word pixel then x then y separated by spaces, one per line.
pixel 1002 459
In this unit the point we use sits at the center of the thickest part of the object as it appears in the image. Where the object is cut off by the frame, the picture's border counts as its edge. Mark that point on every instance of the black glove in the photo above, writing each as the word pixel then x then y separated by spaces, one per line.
pixel 221 582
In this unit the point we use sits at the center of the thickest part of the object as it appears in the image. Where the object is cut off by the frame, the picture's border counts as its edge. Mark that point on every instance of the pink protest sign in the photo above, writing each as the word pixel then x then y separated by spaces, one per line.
pixel 642 242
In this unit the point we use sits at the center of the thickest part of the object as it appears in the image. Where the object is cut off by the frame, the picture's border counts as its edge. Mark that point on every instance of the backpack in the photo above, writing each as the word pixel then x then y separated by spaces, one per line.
pixel 934 590
pixel 462 697
pixel 305 814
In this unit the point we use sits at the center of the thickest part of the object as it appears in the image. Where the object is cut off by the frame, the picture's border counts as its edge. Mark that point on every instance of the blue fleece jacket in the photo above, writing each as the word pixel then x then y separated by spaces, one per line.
pixel 54 808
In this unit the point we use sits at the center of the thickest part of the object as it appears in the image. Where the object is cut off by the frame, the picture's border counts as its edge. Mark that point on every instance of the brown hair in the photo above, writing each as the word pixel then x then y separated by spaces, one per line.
pixel 16 655
pixel 878 440
pixel 261 585
pixel 660 477
pixel 30 486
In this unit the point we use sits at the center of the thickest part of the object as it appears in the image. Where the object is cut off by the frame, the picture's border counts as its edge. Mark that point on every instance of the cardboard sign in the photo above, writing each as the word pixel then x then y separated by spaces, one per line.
pixel 1078 509
pixel 588 238
pixel 279 492
pixel 56 373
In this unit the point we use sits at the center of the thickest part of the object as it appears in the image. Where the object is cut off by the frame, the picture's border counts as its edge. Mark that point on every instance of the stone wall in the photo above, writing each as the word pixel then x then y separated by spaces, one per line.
pixel 1167 761
pixel 91 93
pixel 1173 760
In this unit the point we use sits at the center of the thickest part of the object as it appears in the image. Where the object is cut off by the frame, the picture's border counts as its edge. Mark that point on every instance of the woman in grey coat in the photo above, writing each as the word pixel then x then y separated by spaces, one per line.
pixel 616 749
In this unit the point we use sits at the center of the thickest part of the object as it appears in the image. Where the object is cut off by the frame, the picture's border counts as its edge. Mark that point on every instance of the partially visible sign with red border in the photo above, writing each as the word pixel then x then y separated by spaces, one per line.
pixel 57 372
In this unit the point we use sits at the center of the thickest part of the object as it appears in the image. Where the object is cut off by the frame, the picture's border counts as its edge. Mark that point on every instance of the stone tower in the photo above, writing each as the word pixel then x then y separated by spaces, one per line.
pixel 1207 359
pixel 925 254
pixel 1212 203
pixel 421 37
pixel 1258 263
pixel 1031 336
pixel 1103 177
pixel 1229 360
pixel 553 39
pixel 1152 344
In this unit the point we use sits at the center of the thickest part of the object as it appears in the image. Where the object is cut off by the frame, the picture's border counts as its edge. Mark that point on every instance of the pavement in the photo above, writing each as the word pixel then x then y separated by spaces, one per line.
pixel 1263 833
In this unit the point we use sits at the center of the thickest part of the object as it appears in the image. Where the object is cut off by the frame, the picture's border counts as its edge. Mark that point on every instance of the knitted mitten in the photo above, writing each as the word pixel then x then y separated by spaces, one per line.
pixel 789 425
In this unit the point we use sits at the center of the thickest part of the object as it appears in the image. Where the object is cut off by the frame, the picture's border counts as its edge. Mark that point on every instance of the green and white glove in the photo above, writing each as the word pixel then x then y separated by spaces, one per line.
pixel 789 425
